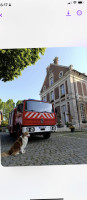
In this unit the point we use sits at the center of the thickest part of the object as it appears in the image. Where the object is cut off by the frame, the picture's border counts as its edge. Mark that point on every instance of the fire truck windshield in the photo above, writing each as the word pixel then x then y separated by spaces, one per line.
pixel 37 106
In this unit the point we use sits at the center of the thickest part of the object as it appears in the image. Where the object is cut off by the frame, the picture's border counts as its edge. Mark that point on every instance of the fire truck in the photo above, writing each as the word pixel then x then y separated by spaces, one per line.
pixel 33 116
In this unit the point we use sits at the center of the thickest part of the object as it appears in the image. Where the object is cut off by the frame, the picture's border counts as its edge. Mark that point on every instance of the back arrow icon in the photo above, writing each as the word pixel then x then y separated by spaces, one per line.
pixel 1 15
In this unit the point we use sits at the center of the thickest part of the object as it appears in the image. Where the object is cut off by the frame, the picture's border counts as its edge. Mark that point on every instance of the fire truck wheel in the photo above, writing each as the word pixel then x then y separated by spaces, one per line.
pixel 10 134
pixel 46 135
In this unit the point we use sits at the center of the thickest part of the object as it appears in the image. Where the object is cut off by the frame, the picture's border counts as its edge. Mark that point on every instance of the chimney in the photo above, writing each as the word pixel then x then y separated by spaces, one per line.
pixel 71 67
pixel 56 60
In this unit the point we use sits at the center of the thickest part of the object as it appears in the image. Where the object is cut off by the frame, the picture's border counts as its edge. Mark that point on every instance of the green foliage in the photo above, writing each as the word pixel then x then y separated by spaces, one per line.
pixel 9 105
pixel 13 61
pixel 18 102
pixel 68 124
pixel 6 107
pixel 4 123
pixel 1 105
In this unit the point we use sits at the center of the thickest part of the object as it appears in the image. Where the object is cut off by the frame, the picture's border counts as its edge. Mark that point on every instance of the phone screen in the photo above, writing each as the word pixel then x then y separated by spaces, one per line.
pixel 43 99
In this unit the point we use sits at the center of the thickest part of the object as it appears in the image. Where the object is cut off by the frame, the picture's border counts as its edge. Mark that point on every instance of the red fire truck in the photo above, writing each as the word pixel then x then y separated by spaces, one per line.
pixel 33 116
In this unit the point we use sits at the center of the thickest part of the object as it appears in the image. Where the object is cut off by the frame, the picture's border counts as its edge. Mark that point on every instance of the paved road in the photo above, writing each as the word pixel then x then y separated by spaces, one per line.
pixel 59 149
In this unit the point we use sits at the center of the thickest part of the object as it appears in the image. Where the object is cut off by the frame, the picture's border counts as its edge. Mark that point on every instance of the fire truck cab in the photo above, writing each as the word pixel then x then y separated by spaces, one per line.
pixel 33 116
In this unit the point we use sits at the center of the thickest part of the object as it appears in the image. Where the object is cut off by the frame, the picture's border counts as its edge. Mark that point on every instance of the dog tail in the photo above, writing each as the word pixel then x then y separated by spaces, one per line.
pixel 4 154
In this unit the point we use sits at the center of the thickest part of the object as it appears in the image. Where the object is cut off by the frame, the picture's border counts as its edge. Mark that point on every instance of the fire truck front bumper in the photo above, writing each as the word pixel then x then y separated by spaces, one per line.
pixel 39 129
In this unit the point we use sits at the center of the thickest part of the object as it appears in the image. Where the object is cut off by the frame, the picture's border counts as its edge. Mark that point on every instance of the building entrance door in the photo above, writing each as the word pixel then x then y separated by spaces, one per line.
pixel 63 114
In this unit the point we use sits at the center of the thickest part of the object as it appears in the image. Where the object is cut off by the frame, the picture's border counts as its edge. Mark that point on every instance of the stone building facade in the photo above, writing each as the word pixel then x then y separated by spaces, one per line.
pixel 66 88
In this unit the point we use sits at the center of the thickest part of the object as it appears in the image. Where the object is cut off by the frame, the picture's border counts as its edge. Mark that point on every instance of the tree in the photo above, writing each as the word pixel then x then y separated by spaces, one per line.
pixel 9 105
pixel 6 107
pixel 1 104
pixel 18 102
pixel 13 61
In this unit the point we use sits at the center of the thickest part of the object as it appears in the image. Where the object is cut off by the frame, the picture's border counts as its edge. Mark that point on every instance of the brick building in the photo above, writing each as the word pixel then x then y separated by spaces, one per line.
pixel 66 88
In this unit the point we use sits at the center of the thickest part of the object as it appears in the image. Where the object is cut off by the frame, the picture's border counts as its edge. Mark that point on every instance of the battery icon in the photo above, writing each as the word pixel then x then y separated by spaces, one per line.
pixel 80 2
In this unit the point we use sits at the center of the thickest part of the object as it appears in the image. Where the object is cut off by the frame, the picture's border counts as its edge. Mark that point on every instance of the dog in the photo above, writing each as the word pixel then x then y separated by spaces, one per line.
pixel 18 146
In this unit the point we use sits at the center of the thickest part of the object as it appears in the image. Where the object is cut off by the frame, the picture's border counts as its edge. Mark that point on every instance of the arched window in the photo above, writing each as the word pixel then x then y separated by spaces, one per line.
pixel 51 80
pixel 61 74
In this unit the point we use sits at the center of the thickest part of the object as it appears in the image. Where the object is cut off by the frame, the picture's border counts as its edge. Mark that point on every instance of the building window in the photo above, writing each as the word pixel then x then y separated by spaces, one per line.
pixel 51 80
pixel 44 88
pixel 52 96
pixel 62 90
pixel 82 111
pixel 44 98
pixel 60 74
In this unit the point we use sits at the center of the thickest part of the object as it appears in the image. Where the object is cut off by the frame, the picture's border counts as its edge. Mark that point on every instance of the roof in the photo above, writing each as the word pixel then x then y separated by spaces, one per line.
pixel 55 69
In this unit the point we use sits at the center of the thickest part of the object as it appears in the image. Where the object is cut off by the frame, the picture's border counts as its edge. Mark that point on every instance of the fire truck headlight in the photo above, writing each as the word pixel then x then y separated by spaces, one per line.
pixel 53 128
pixel 30 129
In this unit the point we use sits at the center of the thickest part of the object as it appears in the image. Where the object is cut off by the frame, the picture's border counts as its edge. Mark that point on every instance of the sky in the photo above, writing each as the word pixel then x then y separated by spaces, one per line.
pixel 29 84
